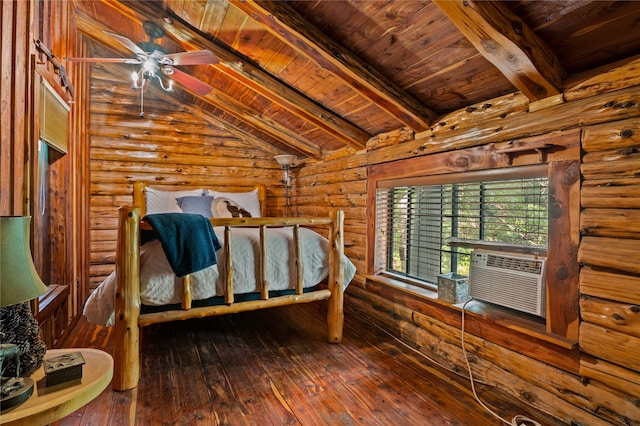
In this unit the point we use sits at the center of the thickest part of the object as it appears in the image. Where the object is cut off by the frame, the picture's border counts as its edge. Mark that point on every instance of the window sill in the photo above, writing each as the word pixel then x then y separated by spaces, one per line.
pixel 517 331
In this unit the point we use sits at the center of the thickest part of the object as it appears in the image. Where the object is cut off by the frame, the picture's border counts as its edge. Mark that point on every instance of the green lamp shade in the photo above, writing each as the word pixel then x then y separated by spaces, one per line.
pixel 19 280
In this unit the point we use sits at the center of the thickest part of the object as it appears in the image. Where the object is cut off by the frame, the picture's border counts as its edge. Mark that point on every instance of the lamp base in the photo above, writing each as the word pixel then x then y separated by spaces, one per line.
pixel 17 391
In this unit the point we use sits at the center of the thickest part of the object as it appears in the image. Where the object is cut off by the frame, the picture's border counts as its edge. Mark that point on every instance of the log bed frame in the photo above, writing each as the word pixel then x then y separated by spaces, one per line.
pixel 128 316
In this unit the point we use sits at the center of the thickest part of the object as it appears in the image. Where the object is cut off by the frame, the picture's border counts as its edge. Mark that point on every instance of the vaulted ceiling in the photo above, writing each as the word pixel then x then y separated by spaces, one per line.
pixel 310 77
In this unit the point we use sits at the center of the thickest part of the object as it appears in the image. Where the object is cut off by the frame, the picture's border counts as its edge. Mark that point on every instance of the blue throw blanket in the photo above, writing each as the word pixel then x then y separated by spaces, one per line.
pixel 188 240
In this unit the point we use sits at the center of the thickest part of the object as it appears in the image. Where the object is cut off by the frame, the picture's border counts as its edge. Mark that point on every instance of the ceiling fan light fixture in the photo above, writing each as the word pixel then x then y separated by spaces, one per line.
pixel 140 78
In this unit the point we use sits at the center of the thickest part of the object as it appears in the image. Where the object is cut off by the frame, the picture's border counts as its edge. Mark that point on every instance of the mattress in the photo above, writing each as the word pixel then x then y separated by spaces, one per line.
pixel 159 285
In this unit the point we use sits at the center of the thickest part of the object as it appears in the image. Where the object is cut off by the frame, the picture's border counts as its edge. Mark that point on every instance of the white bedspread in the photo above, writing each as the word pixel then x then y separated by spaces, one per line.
pixel 159 285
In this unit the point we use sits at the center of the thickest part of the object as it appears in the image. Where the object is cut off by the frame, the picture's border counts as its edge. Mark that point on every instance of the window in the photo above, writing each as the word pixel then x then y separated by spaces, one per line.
pixel 444 205
pixel 429 228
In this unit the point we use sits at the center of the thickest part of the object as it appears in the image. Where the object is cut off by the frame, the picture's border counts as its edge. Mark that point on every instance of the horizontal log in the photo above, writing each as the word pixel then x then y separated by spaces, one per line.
pixel 618 105
pixel 104 223
pixel 169 183
pixel 206 180
pixel 622 317
pixel 103 246
pixel 474 116
pixel 611 165
pixel 335 188
pixel 176 145
pixel 177 158
pixel 613 135
pixel 613 346
pixel 609 285
pixel 207 311
pixel 346 175
pixel 103 235
pixel 604 79
pixel 333 200
pixel 390 138
pixel 491 156
pixel 335 166
pixel 610 253
pixel 102 201
pixel 622 193
pixel 618 223
pixel 159 169
pixel 101 270
pixel 316 210
pixel 120 128
pixel 95 281
pixel 102 257
pixel 611 375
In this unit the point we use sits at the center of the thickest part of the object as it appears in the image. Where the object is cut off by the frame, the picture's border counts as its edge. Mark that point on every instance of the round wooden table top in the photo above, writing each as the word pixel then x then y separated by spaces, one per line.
pixel 47 405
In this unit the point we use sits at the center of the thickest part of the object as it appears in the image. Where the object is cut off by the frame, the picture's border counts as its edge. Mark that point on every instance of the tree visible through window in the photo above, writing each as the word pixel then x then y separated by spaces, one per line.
pixel 417 223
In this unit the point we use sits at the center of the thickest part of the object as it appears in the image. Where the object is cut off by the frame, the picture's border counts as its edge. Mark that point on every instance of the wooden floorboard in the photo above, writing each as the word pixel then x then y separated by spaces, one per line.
pixel 274 367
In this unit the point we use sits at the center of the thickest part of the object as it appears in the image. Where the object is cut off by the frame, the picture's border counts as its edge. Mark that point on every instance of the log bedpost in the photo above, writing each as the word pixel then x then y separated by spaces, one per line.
pixel 127 301
pixel 139 199
pixel 335 315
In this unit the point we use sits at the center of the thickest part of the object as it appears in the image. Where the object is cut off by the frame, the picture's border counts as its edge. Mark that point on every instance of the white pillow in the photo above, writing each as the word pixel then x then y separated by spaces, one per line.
pixel 246 200
pixel 224 207
pixel 159 201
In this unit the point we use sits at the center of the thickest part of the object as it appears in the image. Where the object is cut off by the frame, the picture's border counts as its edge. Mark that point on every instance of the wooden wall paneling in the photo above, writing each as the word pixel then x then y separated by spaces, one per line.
pixel 15 83
pixel 80 148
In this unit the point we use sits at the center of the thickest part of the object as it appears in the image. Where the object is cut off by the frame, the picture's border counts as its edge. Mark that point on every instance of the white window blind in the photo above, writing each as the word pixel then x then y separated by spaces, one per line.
pixel 415 223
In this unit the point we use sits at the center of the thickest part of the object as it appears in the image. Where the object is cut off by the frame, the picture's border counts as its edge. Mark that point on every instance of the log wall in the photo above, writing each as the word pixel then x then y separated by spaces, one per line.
pixel 605 386
pixel 170 147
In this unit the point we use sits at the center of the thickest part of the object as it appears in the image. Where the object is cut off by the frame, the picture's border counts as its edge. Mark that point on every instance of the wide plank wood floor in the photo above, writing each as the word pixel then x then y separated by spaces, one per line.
pixel 274 367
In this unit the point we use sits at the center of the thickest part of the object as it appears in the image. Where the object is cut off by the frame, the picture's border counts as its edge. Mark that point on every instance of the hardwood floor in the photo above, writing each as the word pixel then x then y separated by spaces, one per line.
pixel 274 367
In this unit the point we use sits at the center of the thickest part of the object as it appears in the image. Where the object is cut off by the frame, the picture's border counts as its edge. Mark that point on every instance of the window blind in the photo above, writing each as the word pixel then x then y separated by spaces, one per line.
pixel 54 118
pixel 415 223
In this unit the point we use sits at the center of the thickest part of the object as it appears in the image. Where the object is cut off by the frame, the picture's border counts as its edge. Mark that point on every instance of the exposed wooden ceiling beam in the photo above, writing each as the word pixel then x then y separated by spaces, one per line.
pixel 95 30
pixel 251 76
pixel 286 24
pixel 509 44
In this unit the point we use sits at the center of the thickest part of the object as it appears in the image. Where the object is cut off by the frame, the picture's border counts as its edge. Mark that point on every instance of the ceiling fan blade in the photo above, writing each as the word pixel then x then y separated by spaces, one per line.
pixel 192 58
pixel 188 81
pixel 127 43
pixel 121 60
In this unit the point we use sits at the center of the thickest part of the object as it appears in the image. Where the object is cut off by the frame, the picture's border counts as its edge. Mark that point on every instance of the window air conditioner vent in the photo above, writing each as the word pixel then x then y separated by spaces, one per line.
pixel 515 281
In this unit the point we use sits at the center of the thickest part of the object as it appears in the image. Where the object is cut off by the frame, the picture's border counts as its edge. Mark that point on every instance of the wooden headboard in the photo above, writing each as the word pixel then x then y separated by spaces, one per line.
pixel 139 199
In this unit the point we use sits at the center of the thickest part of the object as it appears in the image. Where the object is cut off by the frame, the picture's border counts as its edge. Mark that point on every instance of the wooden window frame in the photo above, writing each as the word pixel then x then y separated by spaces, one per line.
pixel 533 336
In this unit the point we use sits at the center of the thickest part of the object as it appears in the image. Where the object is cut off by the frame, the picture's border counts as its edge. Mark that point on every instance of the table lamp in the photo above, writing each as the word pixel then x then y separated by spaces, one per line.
pixel 286 161
pixel 20 343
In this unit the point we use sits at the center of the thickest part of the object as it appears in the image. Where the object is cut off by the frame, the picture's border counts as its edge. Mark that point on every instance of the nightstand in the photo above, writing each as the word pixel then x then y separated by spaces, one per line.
pixel 47 405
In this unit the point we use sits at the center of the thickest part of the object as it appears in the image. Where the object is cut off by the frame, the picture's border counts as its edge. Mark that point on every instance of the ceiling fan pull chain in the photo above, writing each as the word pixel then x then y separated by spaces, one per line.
pixel 142 103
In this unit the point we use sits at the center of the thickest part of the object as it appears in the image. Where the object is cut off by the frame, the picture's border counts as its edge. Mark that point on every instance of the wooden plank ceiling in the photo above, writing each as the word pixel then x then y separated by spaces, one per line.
pixel 309 77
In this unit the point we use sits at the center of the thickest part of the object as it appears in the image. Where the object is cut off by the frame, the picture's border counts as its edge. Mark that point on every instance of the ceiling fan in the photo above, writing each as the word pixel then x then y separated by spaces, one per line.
pixel 155 61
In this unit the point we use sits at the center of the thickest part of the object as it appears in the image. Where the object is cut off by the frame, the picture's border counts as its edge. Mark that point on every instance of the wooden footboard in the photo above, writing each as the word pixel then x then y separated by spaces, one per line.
pixel 129 319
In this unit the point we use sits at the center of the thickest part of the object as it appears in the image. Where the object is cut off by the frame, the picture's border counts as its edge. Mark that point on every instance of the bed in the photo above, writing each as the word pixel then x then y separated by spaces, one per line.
pixel 263 262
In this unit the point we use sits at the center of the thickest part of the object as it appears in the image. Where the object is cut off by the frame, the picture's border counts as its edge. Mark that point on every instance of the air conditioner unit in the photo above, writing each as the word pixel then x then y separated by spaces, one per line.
pixel 516 281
